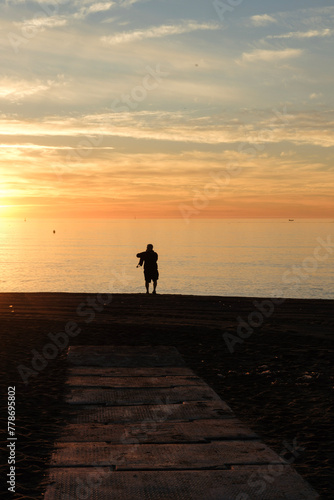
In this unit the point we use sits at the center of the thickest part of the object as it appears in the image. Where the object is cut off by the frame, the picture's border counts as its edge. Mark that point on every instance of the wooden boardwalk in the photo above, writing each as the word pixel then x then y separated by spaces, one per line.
pixel 145 427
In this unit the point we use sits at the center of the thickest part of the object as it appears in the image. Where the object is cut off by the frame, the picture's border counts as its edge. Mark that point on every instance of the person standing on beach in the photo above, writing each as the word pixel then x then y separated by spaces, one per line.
pixel 151 273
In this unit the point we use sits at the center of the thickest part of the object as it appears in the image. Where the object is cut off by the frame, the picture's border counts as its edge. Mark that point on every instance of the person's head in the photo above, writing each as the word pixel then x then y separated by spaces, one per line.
pixel 149 247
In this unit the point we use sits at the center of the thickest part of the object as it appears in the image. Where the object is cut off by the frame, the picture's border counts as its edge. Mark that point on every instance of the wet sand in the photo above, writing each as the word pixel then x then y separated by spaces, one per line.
pixel 278 380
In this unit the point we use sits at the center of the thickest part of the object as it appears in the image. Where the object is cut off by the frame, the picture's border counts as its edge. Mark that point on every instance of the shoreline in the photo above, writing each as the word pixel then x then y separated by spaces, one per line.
pixel 278 379
pixel 132 294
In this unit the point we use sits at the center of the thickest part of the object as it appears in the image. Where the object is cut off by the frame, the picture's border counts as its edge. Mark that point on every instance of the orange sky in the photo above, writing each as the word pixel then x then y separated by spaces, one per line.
pixel 134 109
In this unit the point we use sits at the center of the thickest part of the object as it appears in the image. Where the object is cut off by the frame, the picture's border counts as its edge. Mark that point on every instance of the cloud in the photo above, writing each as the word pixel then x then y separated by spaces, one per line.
pixel 128 3
pixel 109 20
pixel 119 3
pixel 173 127
pixel 315 95
pixel 93 9
pixel 53 148
pixel 165 179
pixel 269 55
pixel 158 32
pixel 262 20
pixel 40 23
pixel 304 34
pixel 99 7
pixel 15 90
pixel 86 8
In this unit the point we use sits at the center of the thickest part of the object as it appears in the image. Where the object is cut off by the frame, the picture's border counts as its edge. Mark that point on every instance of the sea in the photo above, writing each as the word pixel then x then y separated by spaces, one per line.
pixel 213 257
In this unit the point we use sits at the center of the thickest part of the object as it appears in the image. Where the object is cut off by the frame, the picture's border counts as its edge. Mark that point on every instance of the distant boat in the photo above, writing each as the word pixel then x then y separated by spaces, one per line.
pixel 291 220
pixel 54 231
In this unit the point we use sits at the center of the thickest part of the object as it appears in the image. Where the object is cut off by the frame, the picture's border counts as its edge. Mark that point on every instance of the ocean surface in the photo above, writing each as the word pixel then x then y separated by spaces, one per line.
pixel 254 258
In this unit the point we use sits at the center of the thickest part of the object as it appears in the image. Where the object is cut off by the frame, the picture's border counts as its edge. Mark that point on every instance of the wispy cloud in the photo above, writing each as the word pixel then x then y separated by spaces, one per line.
pixel 128 3
pixel 109 20
pixel 16 90
pixel 304 34
pixel 164 179
pixel 297 129
pixel 85 9
pixel 269 55
pixel 42 22
pixel 158 32
pixel 93 9
pixel 262 20
pixel 99 7
pixel 53 148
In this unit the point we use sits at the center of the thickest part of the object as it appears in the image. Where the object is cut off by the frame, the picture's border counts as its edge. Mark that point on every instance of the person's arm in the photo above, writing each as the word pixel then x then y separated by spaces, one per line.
pixel 141 257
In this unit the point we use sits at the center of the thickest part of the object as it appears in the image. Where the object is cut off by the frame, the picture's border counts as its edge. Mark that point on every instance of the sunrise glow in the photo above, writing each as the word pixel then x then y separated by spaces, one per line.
pixel 147 109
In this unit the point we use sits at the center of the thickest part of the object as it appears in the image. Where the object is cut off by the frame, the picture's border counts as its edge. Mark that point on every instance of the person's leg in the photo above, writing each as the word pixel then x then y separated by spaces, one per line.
pixel 154 286
pixel 147 284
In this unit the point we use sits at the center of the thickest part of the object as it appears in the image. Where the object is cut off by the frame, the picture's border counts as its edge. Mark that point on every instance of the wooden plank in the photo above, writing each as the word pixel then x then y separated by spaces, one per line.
pixel 156 371
pixel 150 431
pixel 124 356
pixel 124 350
pixel 158 413
pixel 143 428
pixel 134 456
pixel 103 483
pixel 140 396
pixel 127 382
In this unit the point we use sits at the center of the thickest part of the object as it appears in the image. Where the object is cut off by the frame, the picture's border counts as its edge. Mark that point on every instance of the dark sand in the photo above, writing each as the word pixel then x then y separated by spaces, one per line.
pixel 279 381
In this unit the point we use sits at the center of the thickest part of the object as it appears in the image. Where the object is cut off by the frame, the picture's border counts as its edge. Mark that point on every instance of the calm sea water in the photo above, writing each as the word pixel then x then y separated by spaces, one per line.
pixel 259 258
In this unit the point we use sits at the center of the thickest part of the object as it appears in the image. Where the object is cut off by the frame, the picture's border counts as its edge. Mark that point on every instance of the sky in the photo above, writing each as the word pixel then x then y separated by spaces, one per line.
pixel 167 108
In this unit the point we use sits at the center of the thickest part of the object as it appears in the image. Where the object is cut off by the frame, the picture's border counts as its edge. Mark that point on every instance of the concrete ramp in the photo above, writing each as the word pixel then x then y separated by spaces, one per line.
pixel 145 427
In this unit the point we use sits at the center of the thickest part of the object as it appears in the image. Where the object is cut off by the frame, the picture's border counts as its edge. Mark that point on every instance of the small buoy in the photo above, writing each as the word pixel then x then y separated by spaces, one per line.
pixel 54 231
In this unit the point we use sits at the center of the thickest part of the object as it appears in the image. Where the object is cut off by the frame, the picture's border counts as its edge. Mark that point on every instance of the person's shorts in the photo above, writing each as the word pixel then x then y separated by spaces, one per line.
pixel 151 275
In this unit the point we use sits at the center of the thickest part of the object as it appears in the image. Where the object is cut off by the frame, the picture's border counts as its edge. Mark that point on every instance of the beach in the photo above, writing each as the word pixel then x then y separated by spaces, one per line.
pixel 269 359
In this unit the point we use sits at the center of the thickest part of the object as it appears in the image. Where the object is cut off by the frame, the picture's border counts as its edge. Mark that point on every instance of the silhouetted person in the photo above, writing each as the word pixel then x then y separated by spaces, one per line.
pixel 151 273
